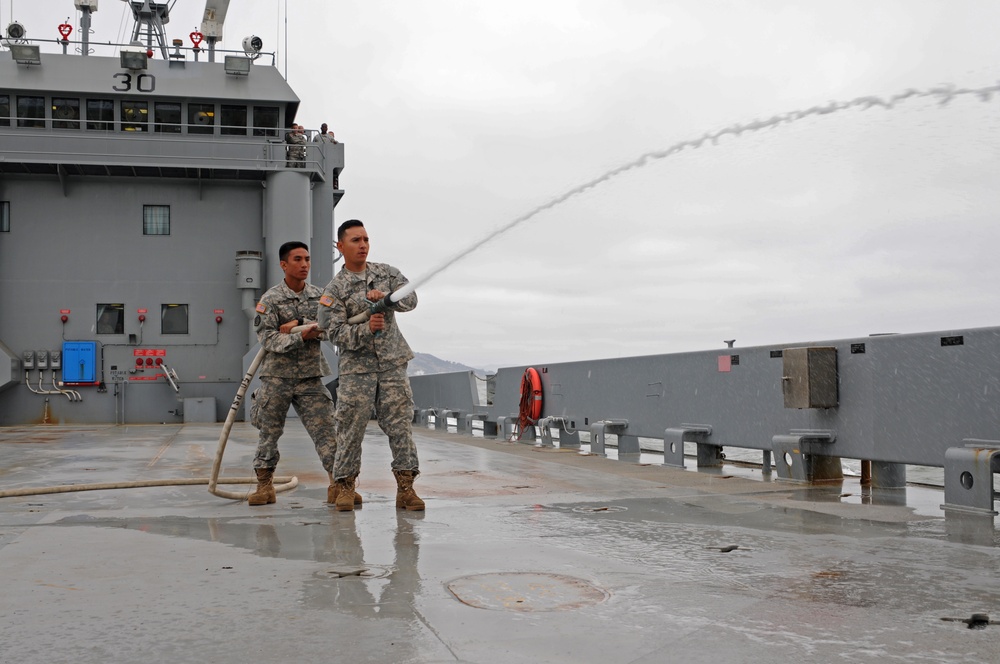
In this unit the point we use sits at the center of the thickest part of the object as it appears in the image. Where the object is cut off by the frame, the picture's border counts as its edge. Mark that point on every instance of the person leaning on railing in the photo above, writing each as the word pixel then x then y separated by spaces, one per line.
pixel 324 135
pixel 295 153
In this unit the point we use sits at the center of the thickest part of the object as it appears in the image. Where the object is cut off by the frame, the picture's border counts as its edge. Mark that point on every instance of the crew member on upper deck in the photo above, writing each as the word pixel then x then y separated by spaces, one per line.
pixel 296 150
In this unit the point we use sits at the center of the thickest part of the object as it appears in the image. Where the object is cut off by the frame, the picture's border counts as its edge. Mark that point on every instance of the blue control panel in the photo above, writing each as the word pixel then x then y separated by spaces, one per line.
pixel 79 360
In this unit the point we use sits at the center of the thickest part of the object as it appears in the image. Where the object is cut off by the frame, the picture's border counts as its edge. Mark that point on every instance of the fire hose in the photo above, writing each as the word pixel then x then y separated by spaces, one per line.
pixel 280 483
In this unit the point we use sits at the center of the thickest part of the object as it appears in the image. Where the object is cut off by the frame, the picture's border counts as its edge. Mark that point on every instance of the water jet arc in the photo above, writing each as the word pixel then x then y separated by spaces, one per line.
pixel 944 93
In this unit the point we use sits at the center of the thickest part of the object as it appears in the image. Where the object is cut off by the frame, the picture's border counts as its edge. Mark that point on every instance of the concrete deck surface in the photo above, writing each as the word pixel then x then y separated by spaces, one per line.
pixel 523 555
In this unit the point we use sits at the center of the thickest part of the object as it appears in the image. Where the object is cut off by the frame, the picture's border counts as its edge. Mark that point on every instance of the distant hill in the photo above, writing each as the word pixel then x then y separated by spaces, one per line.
pixel 424 364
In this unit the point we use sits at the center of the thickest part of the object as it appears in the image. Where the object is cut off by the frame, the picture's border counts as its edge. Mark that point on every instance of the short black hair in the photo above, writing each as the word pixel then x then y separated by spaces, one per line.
pixel 350 223
pixel 287 247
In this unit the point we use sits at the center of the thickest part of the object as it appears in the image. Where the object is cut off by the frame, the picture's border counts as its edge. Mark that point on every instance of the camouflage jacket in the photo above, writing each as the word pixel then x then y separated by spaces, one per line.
pixel 288 356
pixel 343 298
pixel 296 145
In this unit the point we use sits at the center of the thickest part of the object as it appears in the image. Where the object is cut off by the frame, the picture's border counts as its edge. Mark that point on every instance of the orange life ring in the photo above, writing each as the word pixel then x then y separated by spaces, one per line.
pixel 531 396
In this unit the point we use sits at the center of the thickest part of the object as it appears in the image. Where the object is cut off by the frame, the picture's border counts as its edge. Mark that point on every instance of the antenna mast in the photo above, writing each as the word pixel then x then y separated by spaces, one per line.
pixel 151 17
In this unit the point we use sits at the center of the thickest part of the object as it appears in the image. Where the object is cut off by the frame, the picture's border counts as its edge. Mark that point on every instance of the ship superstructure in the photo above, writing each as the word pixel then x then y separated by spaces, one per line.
pixel 142 202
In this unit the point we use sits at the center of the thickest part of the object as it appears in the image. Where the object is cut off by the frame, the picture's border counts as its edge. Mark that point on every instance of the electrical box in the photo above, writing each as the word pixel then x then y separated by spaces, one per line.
pixel 28 360
pixel 79 362
pixel 42 357
pixel 248 265
pixel 55 359
pixel 809 377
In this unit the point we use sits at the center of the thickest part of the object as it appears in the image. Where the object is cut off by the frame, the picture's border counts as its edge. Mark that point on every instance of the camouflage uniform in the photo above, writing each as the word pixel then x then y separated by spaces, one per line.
pixel 372 368
pixel 296 150
pixel 291 374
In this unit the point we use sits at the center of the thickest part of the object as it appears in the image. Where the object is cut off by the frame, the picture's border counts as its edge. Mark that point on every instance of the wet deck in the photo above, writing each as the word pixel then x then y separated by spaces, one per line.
pixel 523 555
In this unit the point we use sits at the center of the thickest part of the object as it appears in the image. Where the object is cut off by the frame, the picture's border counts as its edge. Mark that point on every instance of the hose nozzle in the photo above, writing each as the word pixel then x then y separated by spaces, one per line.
pixel 380 307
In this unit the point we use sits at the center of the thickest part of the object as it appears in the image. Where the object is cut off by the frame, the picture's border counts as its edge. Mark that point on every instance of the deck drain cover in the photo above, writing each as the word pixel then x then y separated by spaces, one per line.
pixel 526 592
pixel 354 571
pixel 600 509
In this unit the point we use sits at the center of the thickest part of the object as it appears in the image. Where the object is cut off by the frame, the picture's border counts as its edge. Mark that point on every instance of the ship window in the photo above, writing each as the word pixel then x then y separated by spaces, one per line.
pixel 135 115
pixel 100 114
pixel 174 319
pixel 234 120
pixel 4 216
pixel 156 220
pixel 167 117
pixel 201 118
pixel 111 319
pixel 4 110
pixel 65 113
pixel 265 120
pixel 30 111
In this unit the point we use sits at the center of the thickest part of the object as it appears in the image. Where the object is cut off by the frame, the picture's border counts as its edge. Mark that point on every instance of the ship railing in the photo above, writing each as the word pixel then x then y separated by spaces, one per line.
pixel 888 401
pixel 40 146
pixel 173 52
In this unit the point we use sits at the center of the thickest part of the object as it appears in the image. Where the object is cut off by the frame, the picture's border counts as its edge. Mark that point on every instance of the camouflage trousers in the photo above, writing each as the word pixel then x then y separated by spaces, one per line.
pixel 388 394
pixel 313 403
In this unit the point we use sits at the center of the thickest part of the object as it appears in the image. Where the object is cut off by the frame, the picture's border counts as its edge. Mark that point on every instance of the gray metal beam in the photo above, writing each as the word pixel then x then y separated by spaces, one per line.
pixel 900 399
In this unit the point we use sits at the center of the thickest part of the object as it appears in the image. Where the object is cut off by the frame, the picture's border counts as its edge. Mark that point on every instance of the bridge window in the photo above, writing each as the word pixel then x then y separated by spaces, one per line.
pixel 167 117
pixel 111 319
pixel 65 113
pixel 265 120
pixel 100 114
pixel 201 118
pixel 135 116
pixel 4 110
pixel 4 216
pixel 174 319
pixel 31 111
pixel 234 120
pixel 156 220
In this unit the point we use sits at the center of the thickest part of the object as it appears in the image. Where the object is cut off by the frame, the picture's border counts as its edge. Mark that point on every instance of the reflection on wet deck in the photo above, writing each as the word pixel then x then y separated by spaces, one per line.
pixel 523 554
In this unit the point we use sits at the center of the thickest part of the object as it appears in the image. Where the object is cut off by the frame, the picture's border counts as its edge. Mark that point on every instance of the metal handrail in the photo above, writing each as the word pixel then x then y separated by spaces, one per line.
pixel 197 51
pixel 252 153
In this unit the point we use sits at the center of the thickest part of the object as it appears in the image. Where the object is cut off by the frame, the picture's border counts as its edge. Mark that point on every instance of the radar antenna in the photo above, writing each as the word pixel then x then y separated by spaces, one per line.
pixel 150 17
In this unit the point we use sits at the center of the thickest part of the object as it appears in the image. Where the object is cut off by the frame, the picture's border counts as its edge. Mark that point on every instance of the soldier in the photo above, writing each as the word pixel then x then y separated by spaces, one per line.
pixel 296 151
pixel 324 135
pixel 373 359
pixel 292 372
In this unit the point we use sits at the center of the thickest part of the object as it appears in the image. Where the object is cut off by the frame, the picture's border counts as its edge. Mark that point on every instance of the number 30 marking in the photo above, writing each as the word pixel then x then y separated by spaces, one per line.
pixel 143 82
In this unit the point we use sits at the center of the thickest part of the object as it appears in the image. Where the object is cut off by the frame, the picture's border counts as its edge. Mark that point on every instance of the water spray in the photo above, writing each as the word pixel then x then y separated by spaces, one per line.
pixel 944 94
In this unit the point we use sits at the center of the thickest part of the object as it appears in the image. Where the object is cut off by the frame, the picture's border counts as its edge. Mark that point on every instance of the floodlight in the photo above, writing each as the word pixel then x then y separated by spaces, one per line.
pixel 252 45
pixel 26 54
pixel 16 31
pixel 133 59
pixel 237 65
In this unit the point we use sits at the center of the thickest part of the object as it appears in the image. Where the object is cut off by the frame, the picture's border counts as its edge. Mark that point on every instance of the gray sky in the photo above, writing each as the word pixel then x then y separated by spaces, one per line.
pixel 460 117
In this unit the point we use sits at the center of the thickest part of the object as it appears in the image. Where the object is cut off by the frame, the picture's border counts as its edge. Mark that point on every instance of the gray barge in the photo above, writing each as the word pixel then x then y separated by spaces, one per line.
pixel 142 200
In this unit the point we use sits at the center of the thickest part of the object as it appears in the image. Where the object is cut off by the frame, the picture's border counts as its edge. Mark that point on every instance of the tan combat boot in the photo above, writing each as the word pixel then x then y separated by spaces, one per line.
pixel 406 497
pixel 264 495
pixel 331 492
pixel 344 495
